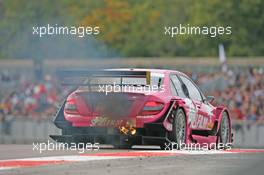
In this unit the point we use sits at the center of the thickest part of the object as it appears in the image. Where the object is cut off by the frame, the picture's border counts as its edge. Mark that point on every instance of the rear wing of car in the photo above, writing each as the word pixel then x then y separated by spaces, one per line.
pixel 83 77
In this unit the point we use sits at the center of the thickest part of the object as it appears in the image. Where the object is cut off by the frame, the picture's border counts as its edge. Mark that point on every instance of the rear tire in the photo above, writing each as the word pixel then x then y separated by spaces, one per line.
pixel 178 134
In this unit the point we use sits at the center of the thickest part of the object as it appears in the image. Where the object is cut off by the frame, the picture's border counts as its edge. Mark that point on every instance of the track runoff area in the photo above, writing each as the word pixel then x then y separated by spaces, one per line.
pixel 17 158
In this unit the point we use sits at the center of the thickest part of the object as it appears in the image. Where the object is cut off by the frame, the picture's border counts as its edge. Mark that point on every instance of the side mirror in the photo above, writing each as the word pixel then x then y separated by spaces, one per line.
pixel 210 99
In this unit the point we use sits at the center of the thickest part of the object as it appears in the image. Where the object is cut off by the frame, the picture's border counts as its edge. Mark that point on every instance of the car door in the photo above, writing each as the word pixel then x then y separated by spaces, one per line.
pixel 180 90
pixel 203 117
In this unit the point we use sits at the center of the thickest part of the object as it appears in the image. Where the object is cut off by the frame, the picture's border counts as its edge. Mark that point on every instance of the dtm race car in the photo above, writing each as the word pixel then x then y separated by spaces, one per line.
pixel 126 107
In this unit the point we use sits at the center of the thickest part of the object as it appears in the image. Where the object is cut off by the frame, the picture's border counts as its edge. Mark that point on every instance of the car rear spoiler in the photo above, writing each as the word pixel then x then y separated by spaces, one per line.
pixel 74 75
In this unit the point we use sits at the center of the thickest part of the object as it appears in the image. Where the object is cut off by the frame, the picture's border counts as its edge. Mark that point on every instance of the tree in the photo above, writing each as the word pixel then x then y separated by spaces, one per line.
pixel 131 28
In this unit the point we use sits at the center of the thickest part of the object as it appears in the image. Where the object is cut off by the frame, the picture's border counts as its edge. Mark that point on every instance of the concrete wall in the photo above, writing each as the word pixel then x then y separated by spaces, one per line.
pixel 249 135
pixel 27 131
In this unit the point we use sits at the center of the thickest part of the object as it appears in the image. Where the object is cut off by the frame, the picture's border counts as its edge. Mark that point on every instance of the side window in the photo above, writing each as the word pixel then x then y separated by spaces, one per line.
pixel 172 87
pixel 177 84
pixel 194 93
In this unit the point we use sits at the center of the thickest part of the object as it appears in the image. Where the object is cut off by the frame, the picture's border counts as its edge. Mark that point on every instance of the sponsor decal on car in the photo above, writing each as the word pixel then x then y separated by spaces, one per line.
pixel 106 121
pixel 200 122
pixel 192 111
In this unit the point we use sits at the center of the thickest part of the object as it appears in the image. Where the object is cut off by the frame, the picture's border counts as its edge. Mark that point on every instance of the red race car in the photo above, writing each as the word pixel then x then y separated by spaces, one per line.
pixel 126 107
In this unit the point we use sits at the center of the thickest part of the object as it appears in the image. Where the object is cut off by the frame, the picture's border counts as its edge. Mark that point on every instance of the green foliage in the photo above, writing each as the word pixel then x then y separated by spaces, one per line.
pixel 132 27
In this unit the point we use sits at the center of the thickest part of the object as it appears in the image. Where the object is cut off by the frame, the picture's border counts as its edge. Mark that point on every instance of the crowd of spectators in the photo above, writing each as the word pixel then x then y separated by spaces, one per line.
pixel 242 91
pixel 20 97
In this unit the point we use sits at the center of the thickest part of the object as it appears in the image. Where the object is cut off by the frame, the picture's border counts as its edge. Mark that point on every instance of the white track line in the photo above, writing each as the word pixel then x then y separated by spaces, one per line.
pixel 74 158
pixel 191 152
pixel 101 156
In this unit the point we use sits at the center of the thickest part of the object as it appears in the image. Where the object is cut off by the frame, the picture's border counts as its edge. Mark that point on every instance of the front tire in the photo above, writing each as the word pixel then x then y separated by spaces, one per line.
pixel 224 132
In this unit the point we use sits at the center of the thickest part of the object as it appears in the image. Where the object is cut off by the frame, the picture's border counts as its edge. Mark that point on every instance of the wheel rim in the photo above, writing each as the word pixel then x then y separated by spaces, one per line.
pixel 180 128
pixel 225 129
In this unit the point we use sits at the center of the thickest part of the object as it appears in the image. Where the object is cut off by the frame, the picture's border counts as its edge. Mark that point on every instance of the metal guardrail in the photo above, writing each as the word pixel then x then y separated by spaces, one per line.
pixel 26 131
pixel 132 62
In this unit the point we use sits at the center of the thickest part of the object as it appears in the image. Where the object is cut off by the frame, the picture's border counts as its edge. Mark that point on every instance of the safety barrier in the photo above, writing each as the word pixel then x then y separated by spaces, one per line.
pixel 26 131
pixel 248 134
pixel 21 131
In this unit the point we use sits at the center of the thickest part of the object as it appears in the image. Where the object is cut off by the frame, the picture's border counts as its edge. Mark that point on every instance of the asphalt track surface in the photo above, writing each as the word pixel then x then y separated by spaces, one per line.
pixel 21 159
